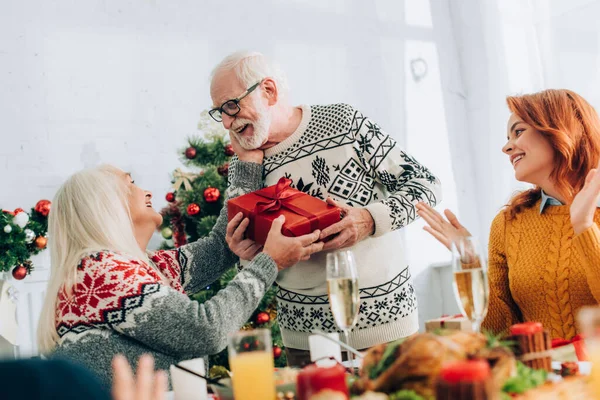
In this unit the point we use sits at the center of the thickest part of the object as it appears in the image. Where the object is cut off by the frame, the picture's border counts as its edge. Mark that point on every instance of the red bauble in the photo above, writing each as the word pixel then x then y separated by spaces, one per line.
pixel 18 210
pixel 211 194
pixel 43 207
pixel 277 351
pixel 170 197
pixel 190 153
pixel 19 272
pixel 262 318
pixel 229 150
pixel 193 209
pixel 223 170
pixel 41 242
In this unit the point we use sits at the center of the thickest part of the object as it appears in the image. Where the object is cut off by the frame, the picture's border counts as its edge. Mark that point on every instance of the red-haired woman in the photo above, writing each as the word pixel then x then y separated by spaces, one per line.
pixel 544 247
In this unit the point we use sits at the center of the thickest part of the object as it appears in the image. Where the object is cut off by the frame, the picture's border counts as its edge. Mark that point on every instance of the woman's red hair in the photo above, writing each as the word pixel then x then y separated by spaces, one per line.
pixel 572 127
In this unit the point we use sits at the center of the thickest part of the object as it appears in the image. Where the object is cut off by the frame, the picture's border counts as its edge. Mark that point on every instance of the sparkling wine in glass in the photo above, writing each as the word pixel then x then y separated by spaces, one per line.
pixel 471 287
pixel 342 286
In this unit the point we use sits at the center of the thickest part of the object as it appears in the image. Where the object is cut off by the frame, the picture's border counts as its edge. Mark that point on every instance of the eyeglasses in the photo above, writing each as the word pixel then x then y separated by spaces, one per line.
pixel 231 107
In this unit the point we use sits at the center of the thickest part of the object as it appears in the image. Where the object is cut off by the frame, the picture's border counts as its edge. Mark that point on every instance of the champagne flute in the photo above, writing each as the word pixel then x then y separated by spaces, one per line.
pixel 471 287
pixel 342 286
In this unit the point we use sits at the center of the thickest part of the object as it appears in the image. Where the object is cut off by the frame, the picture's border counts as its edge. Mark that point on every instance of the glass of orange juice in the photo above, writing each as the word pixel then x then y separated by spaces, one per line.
pixel 588 319
pixel 252 367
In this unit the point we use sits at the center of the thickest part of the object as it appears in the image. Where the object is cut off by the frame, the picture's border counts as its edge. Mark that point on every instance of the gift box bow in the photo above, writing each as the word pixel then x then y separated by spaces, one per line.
pixel 279 197
pixel 559 342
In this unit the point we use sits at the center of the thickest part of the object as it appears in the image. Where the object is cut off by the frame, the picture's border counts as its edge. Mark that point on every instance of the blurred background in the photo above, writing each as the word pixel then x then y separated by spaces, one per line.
pixel 124 82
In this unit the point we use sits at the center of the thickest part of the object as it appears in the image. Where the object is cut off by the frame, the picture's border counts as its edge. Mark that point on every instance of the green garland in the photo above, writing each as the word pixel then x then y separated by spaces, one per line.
pixel 14 248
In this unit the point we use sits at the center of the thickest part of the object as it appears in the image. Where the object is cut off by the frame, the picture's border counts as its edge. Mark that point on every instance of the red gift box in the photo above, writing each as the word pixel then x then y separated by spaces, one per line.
pixel 453 322
pixel 303 213
pixel 578 344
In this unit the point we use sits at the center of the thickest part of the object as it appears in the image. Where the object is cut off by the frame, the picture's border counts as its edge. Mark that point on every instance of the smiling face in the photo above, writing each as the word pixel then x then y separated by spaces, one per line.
pixel 530 152
pixel 252 123
pixel 144 218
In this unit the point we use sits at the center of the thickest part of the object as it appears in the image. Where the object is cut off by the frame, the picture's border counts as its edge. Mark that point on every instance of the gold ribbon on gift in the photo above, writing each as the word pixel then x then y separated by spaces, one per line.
pixel 183 178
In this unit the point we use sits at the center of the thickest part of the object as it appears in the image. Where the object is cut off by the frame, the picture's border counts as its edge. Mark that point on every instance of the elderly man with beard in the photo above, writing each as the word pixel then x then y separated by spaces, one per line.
pixel 334 153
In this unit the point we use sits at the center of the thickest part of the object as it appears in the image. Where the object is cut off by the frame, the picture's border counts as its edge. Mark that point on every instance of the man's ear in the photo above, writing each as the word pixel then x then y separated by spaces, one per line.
pixel 270 90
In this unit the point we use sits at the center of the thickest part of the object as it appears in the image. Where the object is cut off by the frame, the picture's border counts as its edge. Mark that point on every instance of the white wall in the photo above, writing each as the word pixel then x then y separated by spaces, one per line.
pixel 123 82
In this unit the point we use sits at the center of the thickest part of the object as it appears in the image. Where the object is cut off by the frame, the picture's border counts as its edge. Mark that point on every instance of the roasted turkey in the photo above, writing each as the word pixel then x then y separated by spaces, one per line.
pixel 415 363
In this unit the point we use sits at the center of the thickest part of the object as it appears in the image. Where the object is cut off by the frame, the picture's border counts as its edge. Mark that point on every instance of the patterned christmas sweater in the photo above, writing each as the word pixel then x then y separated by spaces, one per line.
pixel 338 152
pixel 121 305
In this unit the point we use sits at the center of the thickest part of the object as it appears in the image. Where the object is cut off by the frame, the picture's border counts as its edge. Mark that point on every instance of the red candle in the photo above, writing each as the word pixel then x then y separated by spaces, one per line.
pixel 526 328
pixel 313 378
pixel 465 371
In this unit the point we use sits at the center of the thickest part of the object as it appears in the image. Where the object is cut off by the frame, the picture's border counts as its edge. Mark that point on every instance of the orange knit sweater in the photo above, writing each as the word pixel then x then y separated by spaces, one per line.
pixel 538 270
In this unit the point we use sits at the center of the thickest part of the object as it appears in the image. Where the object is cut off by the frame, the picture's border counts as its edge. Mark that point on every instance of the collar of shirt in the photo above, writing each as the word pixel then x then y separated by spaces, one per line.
pixel 551 201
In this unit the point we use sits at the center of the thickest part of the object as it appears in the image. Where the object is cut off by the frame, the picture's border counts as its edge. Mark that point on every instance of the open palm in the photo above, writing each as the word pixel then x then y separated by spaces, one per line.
pixel 585 202
pixel 445 231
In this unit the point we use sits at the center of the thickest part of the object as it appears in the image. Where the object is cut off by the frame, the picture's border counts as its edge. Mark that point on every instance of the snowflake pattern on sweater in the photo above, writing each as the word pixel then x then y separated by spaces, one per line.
pixel 109 286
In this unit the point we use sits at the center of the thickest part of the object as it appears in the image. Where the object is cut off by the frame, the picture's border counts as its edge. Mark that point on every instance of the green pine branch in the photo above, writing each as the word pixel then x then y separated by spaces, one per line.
pixel 208 153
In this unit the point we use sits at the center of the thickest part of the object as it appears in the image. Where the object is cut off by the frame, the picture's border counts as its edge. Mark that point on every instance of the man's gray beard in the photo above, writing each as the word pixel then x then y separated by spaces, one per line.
pixel 260 134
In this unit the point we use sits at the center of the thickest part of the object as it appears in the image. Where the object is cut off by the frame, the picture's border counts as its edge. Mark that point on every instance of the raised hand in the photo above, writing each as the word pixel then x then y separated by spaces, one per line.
pixel 287 251
pixel 445 231
pixel 147 385
pixel 585 202
pixel 245 249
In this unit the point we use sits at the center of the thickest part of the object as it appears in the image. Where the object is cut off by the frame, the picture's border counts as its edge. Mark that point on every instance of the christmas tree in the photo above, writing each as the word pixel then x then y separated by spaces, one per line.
pixel 195 204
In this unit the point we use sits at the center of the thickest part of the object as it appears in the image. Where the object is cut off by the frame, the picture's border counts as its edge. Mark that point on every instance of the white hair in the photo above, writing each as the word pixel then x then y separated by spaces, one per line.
pixel 251 67
pixel 90 212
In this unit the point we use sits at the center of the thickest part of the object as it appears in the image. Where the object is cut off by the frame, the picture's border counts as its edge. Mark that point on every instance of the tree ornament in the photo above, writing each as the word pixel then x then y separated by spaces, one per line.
pixel 223 170
pixel 170 197
pixel 211 194
pixel 193 209
pixel 21 219
pixel 19 272
pixel 229 150
pixel 29 235
pixel 190 153
pixel 7 229
pixel 18 210
pixel 167 233
pixel 43 207
pixel 41 242
pixel 8 212
pixel 277 351
pixel 262 318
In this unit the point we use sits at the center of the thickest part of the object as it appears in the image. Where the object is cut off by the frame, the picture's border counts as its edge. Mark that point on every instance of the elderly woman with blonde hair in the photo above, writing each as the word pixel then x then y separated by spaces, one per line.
pixel 108 294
